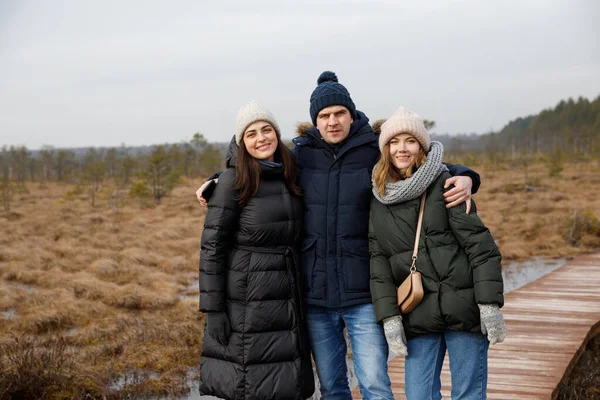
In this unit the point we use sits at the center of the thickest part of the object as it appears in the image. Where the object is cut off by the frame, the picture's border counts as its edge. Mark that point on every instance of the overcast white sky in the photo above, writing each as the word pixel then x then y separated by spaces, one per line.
pixel 101 73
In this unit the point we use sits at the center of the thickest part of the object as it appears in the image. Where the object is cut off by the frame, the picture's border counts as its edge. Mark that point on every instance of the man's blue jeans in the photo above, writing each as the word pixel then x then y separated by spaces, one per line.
pixel 369 349
pixel 468 365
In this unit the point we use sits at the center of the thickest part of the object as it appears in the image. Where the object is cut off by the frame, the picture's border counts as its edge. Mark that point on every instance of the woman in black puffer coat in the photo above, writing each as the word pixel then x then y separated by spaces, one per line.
pixel 255 343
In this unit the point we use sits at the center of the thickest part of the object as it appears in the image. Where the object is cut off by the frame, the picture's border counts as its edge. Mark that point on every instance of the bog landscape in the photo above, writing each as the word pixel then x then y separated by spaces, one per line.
pixel 99 248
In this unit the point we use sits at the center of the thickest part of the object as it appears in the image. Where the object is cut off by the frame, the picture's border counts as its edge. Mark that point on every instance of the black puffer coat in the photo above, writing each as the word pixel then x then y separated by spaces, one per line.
pixel 458 260
pixel 248 268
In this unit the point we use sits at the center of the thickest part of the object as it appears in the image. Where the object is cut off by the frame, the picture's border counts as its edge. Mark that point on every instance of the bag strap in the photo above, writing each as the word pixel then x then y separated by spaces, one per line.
pixel 413 267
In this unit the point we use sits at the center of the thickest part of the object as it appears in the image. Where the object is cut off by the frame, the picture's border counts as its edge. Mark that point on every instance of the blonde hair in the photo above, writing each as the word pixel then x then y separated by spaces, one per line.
pixel 385 171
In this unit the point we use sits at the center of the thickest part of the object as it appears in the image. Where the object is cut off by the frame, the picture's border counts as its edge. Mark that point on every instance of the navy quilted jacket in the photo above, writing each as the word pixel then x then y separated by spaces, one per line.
pixel 337 193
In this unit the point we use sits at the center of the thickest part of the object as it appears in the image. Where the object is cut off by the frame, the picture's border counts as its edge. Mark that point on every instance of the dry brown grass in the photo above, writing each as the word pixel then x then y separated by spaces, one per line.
pixel 117 287
pixel 537 219
pixel 97 295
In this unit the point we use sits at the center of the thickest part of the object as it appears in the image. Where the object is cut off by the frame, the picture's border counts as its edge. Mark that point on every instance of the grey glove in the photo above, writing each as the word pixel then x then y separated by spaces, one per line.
pixel 492 323
pixel 394 334
pixel 217 326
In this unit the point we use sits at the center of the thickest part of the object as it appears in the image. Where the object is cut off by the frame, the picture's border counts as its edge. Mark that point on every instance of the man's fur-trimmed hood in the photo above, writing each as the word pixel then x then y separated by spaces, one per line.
pixel 377 126
pixel 301 127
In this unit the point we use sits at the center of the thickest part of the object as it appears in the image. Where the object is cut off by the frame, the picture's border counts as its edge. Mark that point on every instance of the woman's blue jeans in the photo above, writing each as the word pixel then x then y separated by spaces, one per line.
pixel 369 349
pixel 468 365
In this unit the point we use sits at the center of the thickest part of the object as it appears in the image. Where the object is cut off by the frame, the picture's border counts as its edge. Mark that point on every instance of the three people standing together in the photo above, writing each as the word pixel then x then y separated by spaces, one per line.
pixel 271 277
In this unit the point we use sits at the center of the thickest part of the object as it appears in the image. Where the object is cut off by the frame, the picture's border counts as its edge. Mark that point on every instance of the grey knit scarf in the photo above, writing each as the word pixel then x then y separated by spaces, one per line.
pixel 413 187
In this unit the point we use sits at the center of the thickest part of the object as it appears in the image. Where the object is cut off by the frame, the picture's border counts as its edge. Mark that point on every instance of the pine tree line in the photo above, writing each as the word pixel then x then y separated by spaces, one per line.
pixel 572 127
pixel 154 173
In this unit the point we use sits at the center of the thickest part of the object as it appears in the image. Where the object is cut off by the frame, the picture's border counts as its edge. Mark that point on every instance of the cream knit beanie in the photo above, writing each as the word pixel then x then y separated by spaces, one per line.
pixel 404 121
pixel 249 114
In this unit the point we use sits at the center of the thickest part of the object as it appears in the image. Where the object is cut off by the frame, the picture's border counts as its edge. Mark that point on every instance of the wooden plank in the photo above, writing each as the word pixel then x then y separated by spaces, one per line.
pixel 546 321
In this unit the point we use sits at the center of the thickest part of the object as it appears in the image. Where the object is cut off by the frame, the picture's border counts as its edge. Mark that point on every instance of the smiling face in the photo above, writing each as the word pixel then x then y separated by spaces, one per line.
pixel 404 151
pixel 333 123
pixel 260 139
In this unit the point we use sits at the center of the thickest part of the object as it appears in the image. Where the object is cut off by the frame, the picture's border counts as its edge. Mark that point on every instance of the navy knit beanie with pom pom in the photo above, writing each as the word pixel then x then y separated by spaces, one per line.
pixel 329 92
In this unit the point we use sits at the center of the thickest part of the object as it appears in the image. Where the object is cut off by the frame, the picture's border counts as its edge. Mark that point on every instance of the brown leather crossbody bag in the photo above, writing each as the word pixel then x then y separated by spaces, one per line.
pixel 410 292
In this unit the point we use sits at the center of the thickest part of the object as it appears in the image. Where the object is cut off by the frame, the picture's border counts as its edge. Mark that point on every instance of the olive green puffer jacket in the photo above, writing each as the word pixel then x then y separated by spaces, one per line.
pixel 458 260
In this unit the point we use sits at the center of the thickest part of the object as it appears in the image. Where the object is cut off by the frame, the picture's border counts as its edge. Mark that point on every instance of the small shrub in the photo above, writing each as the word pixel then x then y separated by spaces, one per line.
pixel 140 190
pixel 582 224
pixel 32 370
pixel 556 163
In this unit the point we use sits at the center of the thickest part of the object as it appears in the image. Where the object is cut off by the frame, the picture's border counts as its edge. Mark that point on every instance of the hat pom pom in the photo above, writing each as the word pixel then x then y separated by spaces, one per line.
pixel 327 76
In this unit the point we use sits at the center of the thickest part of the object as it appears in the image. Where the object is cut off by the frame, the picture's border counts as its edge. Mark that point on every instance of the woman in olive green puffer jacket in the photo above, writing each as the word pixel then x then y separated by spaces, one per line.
pixel 457 257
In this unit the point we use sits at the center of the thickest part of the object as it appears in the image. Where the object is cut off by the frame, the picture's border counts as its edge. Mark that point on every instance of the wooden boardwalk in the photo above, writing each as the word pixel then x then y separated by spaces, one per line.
pixel 546 322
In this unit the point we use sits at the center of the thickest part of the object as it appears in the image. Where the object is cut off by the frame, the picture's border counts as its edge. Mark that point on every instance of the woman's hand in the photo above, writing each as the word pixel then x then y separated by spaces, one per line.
pixel 201 199
pixel 217 326
pixel 492 323
pixel 460 192
pixel 394 335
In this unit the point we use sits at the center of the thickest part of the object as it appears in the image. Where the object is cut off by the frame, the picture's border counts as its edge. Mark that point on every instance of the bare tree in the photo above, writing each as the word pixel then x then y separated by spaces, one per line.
pixel 63 163
pixel 94 170
pixel 159 173
pixel 5 179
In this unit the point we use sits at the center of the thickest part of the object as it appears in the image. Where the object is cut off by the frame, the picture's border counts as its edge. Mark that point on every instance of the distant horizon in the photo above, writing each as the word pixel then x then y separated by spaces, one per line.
pixel 285 138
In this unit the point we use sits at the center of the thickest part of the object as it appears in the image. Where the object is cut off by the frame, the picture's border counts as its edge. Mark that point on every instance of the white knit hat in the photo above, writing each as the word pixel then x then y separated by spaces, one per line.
pixel 404 121
pixel 249 114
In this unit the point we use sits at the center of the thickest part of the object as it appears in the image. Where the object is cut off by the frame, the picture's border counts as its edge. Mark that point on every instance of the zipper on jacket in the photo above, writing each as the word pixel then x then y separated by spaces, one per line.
pixel 328 148
pixel 321 143
pixel 356 141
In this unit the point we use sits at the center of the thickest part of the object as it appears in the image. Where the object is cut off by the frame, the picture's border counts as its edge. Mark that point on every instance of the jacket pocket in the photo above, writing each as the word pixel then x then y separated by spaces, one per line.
pixel 355 264
pixel 308 259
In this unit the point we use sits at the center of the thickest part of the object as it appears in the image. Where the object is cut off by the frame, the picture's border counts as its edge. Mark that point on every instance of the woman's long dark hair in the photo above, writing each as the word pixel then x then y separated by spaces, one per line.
pixel 247 168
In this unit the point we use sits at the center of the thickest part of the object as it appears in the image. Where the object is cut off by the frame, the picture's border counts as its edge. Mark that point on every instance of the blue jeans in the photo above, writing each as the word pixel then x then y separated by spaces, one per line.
pixel 468 365
pixel 369 348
